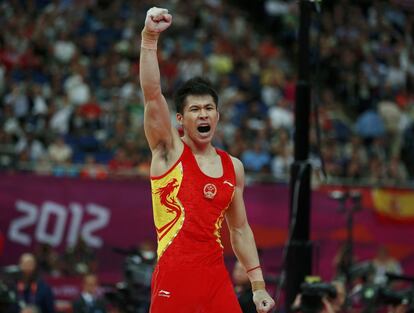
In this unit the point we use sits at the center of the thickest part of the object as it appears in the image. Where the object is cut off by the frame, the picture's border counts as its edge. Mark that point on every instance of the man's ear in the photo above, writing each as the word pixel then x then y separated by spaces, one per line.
pixel 218 116
pixel 179 118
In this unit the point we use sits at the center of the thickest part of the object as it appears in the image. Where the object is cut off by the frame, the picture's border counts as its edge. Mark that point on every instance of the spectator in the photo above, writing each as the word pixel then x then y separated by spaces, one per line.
pixel 91 112
pixel 47 260
pixel 243 288
pixel 384 263
pixel 76 88
pixel 17 99
pixel 31 143
pixel 332 158
pixel 30 309
pixel 407 149
pixel 59 152
pixel 370 125
pixel 281 164
pixel 354 148
pixel 91 169
pixel 60 117
pixel 81 51
pixel 64 49
pixel 256 159
pixel 355 167
pixel 89 300
pixel 40 107
pixel 280 115
pixel 396 172
pixel 325 304
pixel 283 155
pixel 31 289
pixel 12 125
pixel 378 148
pixel 43 166
pixel 337 304
pixel 376 171
pixel 79 259
pixel 391 115
pixel 121 164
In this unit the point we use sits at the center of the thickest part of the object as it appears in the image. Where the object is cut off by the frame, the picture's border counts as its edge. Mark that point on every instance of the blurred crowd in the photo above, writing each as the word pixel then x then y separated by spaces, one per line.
pixel 70 100
pixel 364 286
pixel 32 286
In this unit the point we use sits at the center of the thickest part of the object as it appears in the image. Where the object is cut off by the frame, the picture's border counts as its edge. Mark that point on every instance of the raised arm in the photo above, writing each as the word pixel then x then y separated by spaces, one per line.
pixel 157 123
pixel 243 243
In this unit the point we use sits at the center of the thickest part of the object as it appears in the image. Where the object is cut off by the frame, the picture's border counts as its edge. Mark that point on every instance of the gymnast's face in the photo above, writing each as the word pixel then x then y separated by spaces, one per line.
pixel 199 118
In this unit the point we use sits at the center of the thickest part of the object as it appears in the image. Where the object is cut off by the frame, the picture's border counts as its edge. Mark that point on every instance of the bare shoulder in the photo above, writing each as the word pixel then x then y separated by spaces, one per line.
pixel 238 165
pixel 239 170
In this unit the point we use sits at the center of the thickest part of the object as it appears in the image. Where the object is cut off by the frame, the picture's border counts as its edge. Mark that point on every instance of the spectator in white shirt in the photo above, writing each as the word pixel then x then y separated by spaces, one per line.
pixel 59 152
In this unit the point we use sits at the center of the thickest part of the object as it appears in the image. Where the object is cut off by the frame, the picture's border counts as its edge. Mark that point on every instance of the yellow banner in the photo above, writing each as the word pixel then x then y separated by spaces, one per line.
pixel 394 204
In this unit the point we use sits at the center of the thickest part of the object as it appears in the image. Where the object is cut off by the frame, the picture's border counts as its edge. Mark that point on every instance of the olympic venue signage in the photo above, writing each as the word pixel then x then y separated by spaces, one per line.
pixel 117 214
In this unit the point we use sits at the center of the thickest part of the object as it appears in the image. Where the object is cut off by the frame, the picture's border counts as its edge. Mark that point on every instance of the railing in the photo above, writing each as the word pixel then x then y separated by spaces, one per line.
pixel 75 170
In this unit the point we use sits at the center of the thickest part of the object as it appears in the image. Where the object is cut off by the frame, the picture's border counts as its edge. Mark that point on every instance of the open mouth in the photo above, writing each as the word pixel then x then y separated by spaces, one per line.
pixel 204 128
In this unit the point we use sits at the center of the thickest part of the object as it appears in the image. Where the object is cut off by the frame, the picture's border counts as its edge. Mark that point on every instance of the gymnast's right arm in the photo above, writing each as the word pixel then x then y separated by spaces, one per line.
pixel 157 123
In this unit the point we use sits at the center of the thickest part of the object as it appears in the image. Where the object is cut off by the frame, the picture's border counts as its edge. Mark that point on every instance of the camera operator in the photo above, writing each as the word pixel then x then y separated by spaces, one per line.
pixel 133 294
pixel 393 296
pixel 339 301
pixel 320 298
pixel 385 263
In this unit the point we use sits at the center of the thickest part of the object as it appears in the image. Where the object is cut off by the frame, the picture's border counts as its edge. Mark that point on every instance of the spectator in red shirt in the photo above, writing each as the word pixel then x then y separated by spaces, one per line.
pixel 91 111
pixel 93 170
pixel 121 164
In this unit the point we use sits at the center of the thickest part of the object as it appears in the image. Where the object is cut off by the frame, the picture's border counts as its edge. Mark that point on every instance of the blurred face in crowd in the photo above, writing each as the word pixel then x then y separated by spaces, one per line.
pixel 382 254
pixel 27 264
pixel 29 309
pixel 148 251
pixel 90 284
pixel 239 274
pixel 199 118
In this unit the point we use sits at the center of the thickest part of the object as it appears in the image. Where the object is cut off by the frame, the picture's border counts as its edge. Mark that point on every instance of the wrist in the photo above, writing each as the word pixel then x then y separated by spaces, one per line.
pixel 253 269
pixel 255 273
pixel 149 39
pixel 258 285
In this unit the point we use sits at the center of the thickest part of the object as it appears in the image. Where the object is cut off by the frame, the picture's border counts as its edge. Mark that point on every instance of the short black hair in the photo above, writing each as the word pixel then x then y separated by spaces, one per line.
pixel 195 86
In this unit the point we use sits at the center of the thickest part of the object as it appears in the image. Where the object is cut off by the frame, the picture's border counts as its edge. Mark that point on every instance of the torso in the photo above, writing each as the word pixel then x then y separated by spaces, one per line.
pixel 189 207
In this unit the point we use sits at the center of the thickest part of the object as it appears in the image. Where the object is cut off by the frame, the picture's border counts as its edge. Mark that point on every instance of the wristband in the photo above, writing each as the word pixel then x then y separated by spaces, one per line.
pixel 258 285
pixel 252 269
pixel 149 40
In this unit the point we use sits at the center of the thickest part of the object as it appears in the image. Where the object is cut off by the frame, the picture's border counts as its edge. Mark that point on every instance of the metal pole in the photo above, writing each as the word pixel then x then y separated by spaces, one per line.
pixel 299 254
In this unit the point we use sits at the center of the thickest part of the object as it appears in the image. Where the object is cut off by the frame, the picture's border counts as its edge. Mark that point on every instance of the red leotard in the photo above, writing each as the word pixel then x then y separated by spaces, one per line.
pixel 189 208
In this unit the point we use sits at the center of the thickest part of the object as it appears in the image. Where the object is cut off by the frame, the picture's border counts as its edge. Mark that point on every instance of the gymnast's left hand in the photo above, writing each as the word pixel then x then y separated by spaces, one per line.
pixel 263 301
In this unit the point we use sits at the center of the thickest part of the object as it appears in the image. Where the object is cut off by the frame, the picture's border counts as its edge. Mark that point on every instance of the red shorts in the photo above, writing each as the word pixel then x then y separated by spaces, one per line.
pixel 193 290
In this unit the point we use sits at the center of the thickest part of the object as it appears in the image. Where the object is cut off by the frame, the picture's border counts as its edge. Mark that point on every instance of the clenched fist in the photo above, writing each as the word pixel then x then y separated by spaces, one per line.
pixel 157 20
pixel 264 303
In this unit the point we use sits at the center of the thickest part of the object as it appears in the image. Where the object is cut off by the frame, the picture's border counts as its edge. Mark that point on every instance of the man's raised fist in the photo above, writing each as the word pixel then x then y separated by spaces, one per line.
pixel 157 20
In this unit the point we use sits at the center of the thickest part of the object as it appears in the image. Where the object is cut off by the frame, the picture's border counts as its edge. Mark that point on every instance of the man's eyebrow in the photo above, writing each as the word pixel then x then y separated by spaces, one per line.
pixel 200 105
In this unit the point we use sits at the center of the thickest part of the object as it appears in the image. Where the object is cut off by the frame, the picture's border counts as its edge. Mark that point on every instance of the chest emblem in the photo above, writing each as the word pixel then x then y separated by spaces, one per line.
pixel 210 191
